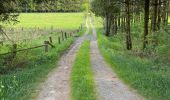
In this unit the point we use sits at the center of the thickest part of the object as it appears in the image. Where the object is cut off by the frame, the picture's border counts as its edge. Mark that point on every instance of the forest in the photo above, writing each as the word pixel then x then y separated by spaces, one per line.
pixel 49 5
pixel 123 14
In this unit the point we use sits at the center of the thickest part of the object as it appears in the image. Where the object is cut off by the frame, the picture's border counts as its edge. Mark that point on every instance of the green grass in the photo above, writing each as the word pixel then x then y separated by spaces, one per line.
pixel 82 84
pixel 30 68
pixel 151 79
pixel 21 83
pixel 48 20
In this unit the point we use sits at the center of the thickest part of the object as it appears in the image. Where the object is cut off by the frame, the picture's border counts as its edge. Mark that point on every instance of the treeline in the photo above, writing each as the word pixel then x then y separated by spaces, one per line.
pixel 51 5
pixel 122 14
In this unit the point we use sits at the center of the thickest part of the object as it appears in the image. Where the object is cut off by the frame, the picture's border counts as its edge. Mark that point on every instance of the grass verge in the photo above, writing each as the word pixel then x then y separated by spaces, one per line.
pixel 82 84
pixel 21 83
pixel 150 79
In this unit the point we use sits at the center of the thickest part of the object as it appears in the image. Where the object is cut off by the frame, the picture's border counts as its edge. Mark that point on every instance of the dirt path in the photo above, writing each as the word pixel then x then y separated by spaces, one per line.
pixel 109 87
pixel 57 86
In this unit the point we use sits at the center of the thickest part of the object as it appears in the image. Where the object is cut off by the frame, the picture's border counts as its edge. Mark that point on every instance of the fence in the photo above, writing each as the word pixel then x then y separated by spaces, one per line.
pixel 64 36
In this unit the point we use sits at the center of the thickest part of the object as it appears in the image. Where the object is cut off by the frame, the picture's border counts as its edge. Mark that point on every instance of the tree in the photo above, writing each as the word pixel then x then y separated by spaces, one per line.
pixel 8 13
pixel 154 17
pixel 51 5
pixel 128 32
pixel 146 14
pixel 8 10
pixel 106 9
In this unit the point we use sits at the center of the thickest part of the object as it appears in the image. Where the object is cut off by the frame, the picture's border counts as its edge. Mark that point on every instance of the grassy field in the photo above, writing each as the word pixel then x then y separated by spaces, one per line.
pixel 148 76
pixel 20 77
pixel 48 20
pixel 82 83
pixel 34 27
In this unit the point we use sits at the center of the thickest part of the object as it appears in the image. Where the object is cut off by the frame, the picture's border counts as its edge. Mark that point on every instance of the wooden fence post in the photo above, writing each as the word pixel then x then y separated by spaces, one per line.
pixel 59 41
pixel 50 38
pixel 65 35
pixel 46 45
pixel 62 34
pixel 14 49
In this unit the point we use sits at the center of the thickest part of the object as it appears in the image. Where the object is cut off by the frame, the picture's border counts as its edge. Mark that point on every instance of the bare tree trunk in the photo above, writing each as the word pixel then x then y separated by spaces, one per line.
pixel 122 23
pixel 164 12
pixel 147 3
pixel 155 15
pixel 119 19
pixel 108 25
pixel 128 34
pixel 159 15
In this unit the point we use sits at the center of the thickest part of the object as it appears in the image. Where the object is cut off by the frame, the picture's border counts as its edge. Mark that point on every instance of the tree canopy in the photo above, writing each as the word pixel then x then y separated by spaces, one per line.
pixel 51 5
pixel 8 10
pixel 121 14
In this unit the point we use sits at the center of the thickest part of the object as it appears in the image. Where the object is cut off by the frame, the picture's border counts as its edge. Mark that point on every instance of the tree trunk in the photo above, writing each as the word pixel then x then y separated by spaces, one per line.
pixel 108 24
pixel 128 34
pixel 146 9
pixel 164 12
pixel 119 19
pixel 159 15
pixel 167 14
pixel 155 15
pixel 122 23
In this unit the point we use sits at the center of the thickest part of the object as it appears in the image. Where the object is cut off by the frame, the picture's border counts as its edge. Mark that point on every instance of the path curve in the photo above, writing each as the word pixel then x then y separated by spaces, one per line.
pixel 108 86
pixel 57 86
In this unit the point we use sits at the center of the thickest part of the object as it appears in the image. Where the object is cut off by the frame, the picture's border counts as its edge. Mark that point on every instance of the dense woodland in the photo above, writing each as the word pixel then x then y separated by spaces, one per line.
pixel 122 14
pixel 51 5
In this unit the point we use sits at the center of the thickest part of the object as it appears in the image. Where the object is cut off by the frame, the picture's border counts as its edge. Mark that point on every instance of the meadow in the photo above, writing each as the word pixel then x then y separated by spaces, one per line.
pixel 48 20
pixel 20 76
pixel 35 26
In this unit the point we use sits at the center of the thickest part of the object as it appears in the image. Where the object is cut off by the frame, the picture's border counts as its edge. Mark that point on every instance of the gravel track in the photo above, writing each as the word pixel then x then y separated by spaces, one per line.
pixel 108 86
pixel 57 86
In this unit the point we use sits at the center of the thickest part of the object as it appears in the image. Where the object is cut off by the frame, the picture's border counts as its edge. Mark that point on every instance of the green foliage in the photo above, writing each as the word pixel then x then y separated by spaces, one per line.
pixel 149 78
pixel 82 84
pixel 7 9
pixel 51 5
pixel 163 50
pixel 103 7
